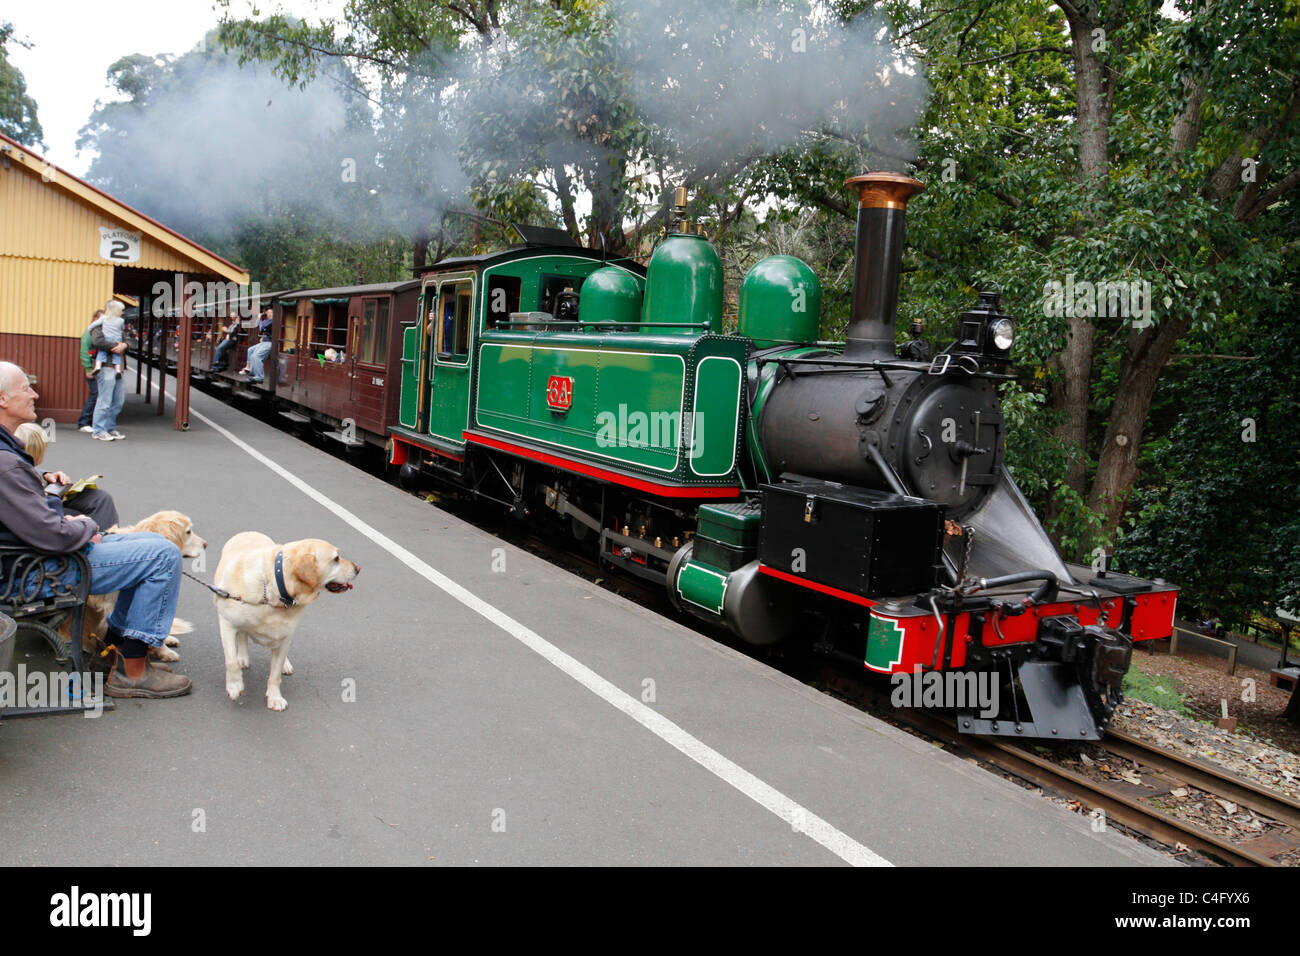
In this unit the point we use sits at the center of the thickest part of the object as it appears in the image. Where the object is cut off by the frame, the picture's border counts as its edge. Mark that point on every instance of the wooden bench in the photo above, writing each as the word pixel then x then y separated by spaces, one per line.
pixel 24 574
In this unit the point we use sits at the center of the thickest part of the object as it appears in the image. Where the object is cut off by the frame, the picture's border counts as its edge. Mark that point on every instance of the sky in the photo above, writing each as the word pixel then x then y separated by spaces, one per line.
pixel 74 41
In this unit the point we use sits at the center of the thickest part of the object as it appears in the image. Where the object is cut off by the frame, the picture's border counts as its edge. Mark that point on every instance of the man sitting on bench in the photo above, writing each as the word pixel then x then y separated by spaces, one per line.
pixel 145 569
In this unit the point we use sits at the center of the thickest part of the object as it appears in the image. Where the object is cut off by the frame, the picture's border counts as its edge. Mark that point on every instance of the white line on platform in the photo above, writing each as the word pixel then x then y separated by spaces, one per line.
pixel 800 819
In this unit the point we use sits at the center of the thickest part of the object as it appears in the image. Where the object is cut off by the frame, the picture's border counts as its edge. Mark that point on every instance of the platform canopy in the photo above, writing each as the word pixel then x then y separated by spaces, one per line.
pixel 66 248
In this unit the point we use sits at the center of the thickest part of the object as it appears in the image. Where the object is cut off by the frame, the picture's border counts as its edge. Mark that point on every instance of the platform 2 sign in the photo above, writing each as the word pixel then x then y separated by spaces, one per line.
pixel 559 393
pixel 119 245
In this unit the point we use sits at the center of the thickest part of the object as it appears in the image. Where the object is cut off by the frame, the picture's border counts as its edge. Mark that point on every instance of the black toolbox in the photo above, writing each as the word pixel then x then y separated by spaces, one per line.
pixel 868 543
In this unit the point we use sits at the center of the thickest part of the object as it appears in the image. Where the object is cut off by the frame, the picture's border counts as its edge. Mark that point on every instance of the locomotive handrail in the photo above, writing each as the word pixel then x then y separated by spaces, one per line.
pixel 601 323
pixel 846 365
pixel 649 325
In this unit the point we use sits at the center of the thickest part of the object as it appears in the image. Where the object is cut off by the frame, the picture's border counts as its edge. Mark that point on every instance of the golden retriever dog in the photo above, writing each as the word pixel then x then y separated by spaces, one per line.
pixel 257 609
pixel 179 530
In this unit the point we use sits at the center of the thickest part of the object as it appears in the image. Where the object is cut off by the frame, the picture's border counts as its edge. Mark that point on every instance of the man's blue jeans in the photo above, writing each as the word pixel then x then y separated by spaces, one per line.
pixel 88 410
pixel 257 361
pixel 112 393
pixel 145 569
pixel 219 360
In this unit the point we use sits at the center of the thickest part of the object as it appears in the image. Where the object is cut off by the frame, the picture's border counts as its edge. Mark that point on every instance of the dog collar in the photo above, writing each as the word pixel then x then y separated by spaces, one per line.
pixel 279 580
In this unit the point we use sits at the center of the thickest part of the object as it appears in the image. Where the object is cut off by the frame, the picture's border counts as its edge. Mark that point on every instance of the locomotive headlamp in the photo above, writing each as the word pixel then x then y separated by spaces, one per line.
pixel 985 330
pixel 1003 332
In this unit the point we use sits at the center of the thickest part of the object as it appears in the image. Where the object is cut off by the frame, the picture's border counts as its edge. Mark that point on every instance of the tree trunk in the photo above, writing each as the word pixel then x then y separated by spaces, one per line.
pixel 1144 360
pixel 421 243
pixel 1071 394
pixel 565 187
pixel 606 198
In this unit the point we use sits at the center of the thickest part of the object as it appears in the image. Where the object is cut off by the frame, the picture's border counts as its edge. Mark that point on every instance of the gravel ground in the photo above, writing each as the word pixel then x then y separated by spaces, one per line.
pixel 1202 678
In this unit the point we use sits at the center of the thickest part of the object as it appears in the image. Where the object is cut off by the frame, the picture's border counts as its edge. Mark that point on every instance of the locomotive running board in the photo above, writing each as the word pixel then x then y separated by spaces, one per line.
pixel 1057 707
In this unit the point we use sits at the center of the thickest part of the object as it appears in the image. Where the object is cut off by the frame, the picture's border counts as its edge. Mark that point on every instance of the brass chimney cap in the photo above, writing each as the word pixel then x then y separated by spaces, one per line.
pixel 884 190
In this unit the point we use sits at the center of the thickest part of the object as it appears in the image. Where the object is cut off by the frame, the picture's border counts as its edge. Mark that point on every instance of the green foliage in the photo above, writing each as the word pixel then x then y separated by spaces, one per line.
pixel 289 251
pixel 1162 691
pixel 1007 205
pixel 1220 510
pixel 17 110
pixel 555 110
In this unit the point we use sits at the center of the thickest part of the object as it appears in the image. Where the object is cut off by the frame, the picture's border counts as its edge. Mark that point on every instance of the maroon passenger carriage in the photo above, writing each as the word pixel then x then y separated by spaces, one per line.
pixel 331 352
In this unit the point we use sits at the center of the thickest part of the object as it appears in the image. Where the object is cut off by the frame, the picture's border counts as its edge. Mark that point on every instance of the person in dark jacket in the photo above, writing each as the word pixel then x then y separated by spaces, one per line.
pixel 145 569
pixel 230 336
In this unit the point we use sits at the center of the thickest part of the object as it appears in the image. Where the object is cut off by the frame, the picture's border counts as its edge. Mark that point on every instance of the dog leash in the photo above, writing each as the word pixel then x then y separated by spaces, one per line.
pixel 219 592
pixel 279 583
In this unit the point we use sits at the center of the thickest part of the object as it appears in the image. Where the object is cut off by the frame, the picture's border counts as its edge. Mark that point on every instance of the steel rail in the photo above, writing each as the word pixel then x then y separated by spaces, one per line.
pixel 1119 807
pixel 1247 793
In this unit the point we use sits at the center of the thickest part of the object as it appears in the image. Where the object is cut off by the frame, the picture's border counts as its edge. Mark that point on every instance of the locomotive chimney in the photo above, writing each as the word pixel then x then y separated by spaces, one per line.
pixel 882 206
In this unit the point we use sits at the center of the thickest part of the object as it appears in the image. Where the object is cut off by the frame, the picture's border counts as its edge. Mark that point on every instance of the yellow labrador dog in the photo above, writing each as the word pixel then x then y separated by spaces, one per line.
pixel 270 585
pixel 179 530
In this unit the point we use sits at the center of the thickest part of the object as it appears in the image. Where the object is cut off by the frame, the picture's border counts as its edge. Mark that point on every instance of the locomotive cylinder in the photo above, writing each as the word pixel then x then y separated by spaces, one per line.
pixel 878 256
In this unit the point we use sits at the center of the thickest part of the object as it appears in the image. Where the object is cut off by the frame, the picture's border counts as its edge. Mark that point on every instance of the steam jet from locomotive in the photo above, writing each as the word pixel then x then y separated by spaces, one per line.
pixel 853 497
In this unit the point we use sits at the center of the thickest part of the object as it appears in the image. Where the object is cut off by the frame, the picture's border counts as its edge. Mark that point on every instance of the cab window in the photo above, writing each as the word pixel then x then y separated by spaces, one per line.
pixel 454 303
pixel 503 294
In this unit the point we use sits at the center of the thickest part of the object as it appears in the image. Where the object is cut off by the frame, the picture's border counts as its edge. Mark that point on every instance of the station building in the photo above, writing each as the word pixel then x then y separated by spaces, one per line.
pixel 66 248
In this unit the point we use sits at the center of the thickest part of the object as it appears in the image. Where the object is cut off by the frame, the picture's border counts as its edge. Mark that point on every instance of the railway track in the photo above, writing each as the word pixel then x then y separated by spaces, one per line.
pixel 1134 807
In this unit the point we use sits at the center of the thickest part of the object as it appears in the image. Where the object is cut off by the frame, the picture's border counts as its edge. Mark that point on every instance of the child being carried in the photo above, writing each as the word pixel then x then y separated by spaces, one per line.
pixel 113 326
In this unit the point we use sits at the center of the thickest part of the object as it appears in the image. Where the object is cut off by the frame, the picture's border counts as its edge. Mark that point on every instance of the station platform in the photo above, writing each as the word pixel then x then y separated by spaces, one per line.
pixel 469 703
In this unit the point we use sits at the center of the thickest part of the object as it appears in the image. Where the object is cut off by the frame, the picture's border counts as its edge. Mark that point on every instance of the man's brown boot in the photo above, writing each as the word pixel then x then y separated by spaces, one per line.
pixel 153 683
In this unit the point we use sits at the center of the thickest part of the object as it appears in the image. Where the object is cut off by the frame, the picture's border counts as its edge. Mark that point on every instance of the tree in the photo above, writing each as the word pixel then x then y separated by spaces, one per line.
pixel 17 110
pixel 1219 512
pixel 274 178
pixel 610 103
pixel 1103 142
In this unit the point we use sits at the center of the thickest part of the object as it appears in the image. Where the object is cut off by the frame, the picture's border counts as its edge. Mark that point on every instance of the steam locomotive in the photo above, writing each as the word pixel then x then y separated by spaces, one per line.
pixel 855 497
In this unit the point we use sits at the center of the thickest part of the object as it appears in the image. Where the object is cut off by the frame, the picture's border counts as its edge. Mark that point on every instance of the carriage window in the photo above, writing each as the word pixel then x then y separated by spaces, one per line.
pixel 320 327
pixel 329 325
pixel 374 332
pixel 288 328
pixel 454 302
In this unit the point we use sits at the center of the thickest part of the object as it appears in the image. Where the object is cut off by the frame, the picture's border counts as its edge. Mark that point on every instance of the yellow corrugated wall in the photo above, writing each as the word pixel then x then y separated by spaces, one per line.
pixel 50 269
pixel 43 297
